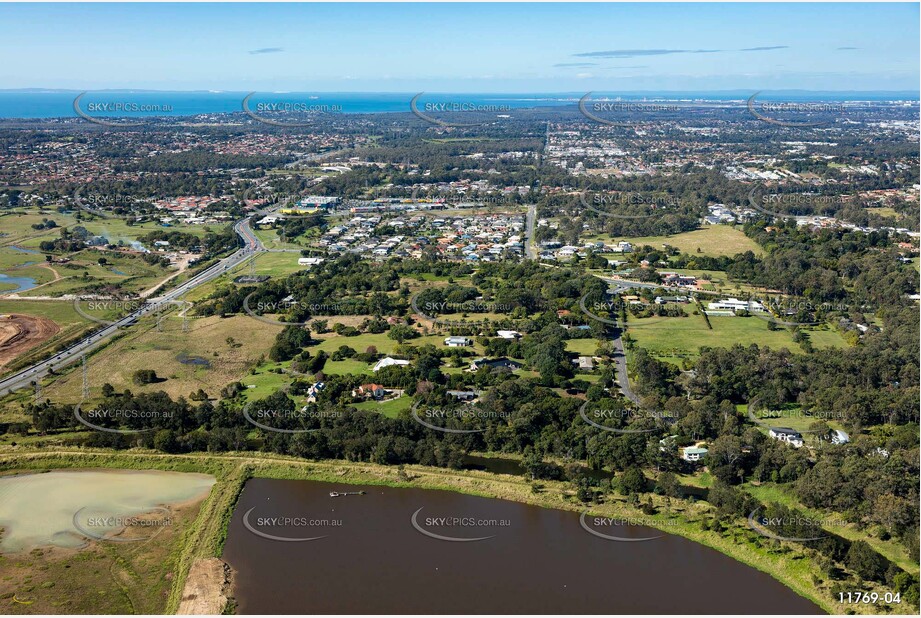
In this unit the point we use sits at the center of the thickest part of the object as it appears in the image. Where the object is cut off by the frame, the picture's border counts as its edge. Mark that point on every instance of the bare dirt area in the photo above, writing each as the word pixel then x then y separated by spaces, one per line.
pixel 20 333
pixel 206 588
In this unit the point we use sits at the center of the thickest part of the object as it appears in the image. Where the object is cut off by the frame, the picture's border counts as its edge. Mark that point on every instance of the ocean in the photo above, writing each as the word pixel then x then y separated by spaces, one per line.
pixel 35 103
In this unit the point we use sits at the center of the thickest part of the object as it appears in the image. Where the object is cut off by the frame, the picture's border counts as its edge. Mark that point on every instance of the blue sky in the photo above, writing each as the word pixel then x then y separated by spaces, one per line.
pixel 461 47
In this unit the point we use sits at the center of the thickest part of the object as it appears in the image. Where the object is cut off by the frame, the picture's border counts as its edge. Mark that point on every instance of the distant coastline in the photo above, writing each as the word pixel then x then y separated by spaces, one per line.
pixel 48 103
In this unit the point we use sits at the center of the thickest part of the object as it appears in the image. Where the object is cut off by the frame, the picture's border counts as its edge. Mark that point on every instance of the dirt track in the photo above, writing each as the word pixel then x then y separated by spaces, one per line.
pixel 20 333
pixel 206 587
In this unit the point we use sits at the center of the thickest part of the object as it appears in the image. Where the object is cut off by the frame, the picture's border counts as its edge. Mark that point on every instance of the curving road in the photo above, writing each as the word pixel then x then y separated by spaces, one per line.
pixel 251 245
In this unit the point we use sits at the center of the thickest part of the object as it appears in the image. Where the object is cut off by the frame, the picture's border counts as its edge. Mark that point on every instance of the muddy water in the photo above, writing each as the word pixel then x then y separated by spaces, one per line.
pixel 69 508
pixel 296 549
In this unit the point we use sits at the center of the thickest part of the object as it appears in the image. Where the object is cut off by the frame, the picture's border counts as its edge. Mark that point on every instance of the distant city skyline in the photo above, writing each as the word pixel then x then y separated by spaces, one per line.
pixel 486 48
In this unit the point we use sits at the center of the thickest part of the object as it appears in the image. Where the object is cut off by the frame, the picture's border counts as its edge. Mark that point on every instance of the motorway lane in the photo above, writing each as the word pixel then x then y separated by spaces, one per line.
pixel 66 357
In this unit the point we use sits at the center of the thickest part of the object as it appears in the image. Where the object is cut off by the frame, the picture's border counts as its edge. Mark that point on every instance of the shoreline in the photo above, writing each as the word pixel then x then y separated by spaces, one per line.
pixel 205 537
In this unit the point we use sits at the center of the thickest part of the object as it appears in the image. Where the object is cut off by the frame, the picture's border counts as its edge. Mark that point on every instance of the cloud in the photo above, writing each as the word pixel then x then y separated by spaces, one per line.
pixel 633 66
pixel 266 50
pixel 639 53
pixel 576 65
pixel 635 53
pixel 848 48
pixel 765 48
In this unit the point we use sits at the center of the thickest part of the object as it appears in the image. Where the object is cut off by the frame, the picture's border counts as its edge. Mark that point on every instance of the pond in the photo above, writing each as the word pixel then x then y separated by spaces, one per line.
pixel 297 549
pixel 69 508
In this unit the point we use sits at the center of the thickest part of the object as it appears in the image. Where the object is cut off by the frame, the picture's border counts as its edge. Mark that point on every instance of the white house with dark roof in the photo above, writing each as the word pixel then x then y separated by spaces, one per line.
pixel 785 434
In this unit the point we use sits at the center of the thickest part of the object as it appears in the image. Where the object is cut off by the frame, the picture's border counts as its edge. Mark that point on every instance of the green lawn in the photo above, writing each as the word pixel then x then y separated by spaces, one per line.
pixel 347 366
pixel 582 347
pixel 672 339
pixel 391 408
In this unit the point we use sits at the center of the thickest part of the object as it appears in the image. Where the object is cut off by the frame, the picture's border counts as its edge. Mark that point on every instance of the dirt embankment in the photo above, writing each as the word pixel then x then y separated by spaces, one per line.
pixel 206 589
pixel 20 333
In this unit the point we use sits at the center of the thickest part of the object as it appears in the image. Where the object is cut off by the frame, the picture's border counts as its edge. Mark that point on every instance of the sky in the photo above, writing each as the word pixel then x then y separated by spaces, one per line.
pixel 466 47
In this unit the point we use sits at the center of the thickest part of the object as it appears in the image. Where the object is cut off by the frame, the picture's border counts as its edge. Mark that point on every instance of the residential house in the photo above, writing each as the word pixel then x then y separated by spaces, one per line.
pixel 375 391
pixel 734 304
pixel 785 434
pixel 463 395
pixel 388 362
pixel 495 363
pixel 458 342
pixel 693 453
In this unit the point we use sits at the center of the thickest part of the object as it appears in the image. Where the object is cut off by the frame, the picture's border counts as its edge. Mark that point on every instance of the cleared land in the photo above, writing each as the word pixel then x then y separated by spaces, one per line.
pixel 713 240
pixel 678 339
pixel 20 333
pixel 213 352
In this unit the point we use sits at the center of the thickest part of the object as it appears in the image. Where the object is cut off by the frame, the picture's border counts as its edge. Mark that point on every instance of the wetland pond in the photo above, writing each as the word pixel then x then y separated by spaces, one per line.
pixel 69 508
pixel 297 549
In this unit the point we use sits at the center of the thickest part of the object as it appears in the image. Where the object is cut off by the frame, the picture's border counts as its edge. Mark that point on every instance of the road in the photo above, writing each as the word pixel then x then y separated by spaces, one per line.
pixel 620 286
pixel 97 338
pixel 530 245
pixel 617 342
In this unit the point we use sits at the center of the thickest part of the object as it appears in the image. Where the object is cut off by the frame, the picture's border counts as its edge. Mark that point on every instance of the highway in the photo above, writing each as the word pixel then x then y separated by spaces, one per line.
pixel 66 357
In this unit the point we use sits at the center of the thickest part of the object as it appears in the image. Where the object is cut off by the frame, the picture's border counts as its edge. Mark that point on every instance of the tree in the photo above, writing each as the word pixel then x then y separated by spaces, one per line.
pixel 633 481
pixel 165 440
pixel 668 483
pixel 865 562
pixel 145 376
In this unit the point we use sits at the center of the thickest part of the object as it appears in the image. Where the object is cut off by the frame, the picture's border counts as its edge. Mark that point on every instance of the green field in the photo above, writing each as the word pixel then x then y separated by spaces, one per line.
pixel 713 240
pixel 391 408
pixel 582 347
pixel 173 354
pixel 17 227
pixel 676 339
